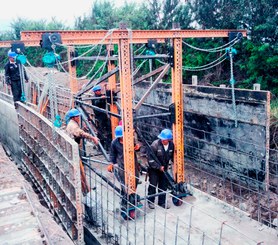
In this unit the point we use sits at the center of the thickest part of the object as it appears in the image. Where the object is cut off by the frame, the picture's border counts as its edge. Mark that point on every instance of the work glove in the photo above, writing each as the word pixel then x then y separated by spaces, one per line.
pixel 110 168
pixel 137 147
pixel 8 81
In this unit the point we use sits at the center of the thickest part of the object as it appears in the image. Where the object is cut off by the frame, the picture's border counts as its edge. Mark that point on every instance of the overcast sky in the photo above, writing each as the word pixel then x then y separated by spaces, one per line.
pixel 63 10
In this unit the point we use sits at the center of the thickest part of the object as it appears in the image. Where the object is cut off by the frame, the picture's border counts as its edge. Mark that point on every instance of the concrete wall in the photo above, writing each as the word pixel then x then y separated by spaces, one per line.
pixel 211 139
pixel 9 133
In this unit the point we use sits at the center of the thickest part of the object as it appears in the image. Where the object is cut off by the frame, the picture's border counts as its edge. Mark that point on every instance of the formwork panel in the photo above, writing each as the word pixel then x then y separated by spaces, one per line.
pixel 51 160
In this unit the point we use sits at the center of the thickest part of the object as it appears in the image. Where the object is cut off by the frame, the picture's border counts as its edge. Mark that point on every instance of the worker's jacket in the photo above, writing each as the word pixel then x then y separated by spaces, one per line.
pixel 162 156
pixel 76 132
pixel 12 72
pixel 117 157
pixel 101 103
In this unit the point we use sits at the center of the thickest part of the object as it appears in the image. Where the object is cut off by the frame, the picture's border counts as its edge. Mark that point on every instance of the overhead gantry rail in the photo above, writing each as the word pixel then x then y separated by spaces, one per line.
pixel 33 38
pixel 123 38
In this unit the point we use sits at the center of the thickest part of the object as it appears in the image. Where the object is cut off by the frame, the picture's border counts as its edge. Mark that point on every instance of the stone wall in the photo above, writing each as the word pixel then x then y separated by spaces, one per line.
pixel 212 140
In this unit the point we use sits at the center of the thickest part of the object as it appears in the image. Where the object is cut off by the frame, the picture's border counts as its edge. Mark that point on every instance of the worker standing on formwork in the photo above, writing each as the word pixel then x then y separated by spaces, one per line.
pixel 15 73
pixel 73 129
pixel 163 149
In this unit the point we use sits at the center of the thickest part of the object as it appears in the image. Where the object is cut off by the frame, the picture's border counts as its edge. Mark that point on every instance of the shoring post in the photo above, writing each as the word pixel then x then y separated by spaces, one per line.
pixel 112 88
pixel 127 111
pixel 177 99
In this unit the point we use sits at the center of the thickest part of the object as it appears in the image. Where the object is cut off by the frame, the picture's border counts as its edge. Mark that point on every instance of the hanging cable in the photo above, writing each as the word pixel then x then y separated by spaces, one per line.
pixel 232 52
pixel 212 50
pixel 222 58
pixel 131 63
pixel 22 77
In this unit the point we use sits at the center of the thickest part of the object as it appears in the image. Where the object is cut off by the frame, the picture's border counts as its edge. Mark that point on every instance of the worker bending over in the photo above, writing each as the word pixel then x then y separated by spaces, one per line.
pixel 163 149
pixel 73 129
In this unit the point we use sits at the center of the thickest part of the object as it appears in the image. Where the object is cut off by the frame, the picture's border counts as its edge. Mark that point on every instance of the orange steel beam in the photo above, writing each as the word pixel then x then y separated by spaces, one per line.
pixel 127 116
pixel 124 38
pixel 112 87
pixel 78 37
pixel 72 71
pixel 177 99
pixel 43 109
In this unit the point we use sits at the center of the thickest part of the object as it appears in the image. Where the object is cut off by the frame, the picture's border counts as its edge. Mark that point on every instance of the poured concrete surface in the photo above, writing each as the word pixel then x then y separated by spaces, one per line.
pixel 201 219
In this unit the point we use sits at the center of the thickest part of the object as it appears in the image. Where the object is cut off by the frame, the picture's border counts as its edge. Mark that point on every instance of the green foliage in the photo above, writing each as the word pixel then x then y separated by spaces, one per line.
pixel 274 108
pixel 261 66
pixel 256 60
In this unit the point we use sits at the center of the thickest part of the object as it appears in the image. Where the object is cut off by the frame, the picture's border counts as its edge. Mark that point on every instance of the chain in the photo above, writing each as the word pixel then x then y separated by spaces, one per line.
pixel 51 99
pixel 232 82
pixel 21 74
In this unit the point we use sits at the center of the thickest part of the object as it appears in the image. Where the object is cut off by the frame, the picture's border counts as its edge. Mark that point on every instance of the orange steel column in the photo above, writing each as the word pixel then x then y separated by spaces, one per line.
pixel 112 87
pixel 72 72
pixel 177 98
pixel 127 117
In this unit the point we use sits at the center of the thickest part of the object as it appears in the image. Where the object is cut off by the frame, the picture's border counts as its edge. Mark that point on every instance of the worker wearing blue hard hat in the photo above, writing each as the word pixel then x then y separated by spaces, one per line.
pixel 96 88
pixel 101 118
pixel 72 119
pixel 163 149
pixel 15 74
pixel 117 159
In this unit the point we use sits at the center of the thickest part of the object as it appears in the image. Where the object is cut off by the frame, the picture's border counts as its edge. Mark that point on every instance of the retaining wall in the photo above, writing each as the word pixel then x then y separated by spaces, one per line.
pixel 212 140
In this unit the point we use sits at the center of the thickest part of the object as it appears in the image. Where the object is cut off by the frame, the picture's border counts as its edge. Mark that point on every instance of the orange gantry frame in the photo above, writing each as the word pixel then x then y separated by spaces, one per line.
pixel 123 38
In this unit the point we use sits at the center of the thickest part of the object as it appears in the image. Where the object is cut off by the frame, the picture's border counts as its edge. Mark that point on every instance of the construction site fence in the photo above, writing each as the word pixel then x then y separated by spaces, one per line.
pixel 150 226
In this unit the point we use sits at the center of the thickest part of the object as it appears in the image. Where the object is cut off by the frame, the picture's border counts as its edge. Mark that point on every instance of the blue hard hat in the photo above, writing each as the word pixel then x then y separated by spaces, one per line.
pixel 96 88
pixel 12 54
pixel 71 113
pixel 119 131
pixel 166 134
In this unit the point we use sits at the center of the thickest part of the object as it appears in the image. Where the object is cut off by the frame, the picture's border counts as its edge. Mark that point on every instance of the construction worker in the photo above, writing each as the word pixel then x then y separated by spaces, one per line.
pixel 73 129
pixel 15 73
pixel 102 121
pixel 163 150
pixel 117 159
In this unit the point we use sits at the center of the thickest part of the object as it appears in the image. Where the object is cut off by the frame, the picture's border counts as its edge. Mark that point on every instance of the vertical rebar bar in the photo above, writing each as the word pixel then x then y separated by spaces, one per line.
pixel 145 214
pixel 177 231
pixel 221 231
pixel 189 225
pixel 154 225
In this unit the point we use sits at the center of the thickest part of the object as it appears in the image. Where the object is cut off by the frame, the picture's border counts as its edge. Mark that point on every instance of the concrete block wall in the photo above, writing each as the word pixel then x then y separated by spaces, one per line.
pixel 211 139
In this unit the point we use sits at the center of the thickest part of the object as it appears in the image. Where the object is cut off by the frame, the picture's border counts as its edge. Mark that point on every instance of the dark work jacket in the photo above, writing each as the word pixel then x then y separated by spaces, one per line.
pixel 163 156
pixel 101 103
pixel 117 157
pixel 12 72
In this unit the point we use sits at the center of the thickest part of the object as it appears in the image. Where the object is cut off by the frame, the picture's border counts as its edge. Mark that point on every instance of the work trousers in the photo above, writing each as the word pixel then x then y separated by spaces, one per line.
pixel 16 90
pixel 157 179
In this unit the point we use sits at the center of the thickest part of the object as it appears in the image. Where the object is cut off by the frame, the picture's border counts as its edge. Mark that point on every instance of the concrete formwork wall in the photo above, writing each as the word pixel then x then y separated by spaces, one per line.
pixel 49 157
pixel 212 141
